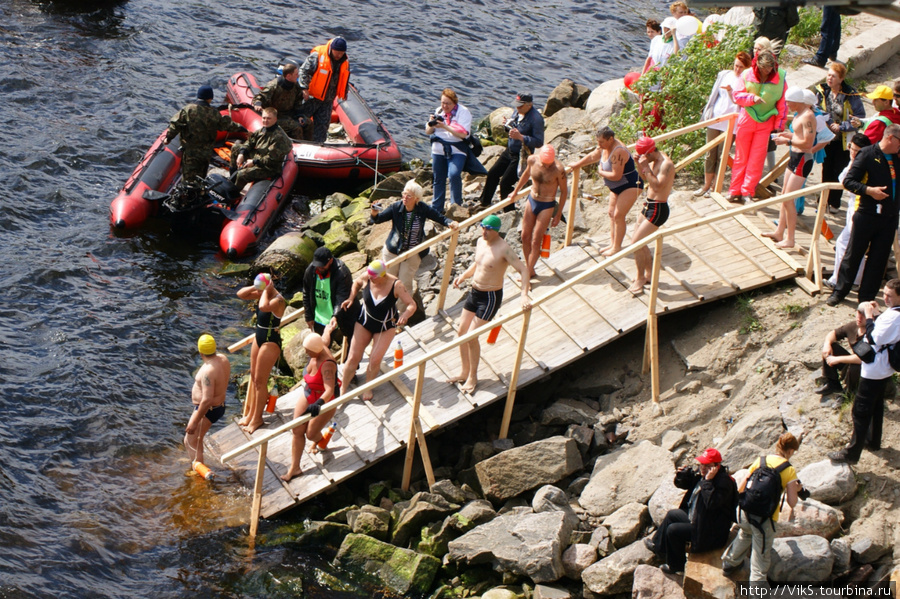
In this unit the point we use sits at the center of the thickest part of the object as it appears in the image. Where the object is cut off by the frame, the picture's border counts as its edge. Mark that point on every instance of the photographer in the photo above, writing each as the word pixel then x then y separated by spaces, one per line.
pixel 526 132
pixel 704 517
pixel 448 126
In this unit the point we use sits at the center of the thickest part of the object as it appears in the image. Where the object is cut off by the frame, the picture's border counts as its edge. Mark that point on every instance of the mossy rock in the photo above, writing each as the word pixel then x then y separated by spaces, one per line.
pixel 401 570
pixel 341 514
pixel 357 205
pixel 357 222
pixel 296 300
pixel 288 255
pixel 378 490
pixel 337 199
pixel 307 534
pixel 234 269
pixel 339 238
pixel 322 222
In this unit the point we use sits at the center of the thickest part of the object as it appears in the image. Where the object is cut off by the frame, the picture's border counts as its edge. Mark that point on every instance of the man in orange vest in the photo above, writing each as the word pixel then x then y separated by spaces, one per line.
pixel 323 77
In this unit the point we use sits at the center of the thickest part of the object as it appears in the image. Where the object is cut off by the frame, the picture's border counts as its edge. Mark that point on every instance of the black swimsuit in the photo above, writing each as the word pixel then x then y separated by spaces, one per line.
pixel 378 318
pixel 267 328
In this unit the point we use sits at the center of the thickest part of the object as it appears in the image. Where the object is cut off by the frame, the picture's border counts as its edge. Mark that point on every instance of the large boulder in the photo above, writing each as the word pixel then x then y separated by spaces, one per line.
pixel 651 583
pixel 810 517
pixel 750 437
pixel 628 476
pixel 520 542
pixel 564 412
pixel 615 574
pixel 497 120
pixel 801 559
pixel 340 238
pixel 370 240
pixel 703 576
pixel 869 537
pixel 626 523
pixel 566 94
pixel 523 468
pixel 321 222
pixel 829 482
pixel 666 497
pixel 370 520
pixel 606 99
pixel 564 123
pixel 401 570
pixel 421 509
pixel 392 186
pixel 289 255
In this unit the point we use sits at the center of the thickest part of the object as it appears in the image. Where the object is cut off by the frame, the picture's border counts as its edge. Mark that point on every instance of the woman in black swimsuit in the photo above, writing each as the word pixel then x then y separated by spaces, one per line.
pixel 266 346
pixel 377 320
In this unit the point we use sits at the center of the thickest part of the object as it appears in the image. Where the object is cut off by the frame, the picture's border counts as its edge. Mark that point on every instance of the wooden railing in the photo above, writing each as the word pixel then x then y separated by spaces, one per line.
pixel 651 355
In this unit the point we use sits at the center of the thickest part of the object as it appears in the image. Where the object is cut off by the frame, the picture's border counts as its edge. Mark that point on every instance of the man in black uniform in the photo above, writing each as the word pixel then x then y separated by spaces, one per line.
pixel 326 284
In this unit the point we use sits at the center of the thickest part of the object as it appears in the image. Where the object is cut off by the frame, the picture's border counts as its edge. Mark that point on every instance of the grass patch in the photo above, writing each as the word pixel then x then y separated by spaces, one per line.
pixel 794 309
pixel 750 321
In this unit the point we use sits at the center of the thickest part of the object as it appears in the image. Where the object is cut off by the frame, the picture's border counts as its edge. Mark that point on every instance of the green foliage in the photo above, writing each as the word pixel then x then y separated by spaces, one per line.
pixel 751 321
pixel 806 32
pixel 793 309
pixel 685 82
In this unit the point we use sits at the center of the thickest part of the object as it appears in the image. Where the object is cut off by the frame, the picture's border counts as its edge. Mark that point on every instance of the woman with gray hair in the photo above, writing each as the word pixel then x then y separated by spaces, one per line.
pixel 407 231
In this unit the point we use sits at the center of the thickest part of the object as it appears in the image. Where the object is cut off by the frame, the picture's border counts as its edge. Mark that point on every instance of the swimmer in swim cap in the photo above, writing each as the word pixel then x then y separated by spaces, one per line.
pixel 658 171
pixel 547 176
pixel 207 395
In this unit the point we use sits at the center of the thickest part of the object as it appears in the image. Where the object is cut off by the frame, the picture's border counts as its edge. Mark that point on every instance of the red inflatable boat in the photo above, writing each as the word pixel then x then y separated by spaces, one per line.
pixel 363 147
pixel 245 220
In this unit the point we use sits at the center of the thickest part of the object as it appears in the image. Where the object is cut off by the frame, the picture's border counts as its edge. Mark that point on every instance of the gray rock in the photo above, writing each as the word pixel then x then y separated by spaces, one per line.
pixel 627 476
pixel 602 541
pixel 502 445
pixel 543 591
pixel 421 509
pixel 672 439
pixel 615 574
pixel 651 583
pixel 568 411
pixel 566 94
pixel 523 468
pixel 626 523
pixel 604 100
pixel 869 537
pixel 583 435
pixel 448 491
pixel 522 543
pixel 370 520
pixel 741 455
pixel 577 486
pixel 481 451
pixel 760 427
pixel 577 558
pixel 474 513
pixel 666 497
pixel 553 499
pixel 564 123
pixel 801 559
pixel 840 548
pixel 867 551
pixel 829 482
pixel 392 186
pixel 401 570
pixel 810 517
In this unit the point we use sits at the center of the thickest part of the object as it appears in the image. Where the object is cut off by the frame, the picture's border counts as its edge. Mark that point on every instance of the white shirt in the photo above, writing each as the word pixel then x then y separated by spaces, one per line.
pixel 463 118
pixel 660 51
pixel 886 332
pixel 720 101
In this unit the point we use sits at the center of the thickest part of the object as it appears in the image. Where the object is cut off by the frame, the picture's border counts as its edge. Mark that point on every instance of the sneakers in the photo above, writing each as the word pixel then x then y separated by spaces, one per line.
pixel 833 209
pixel 834 299
pixel 746 199
pixel 701 193
pixel 842 456
pixel 812 60
pixel 728 569
pixel 828 283
pixel 736 199
pixel 665 569
pixel 829 388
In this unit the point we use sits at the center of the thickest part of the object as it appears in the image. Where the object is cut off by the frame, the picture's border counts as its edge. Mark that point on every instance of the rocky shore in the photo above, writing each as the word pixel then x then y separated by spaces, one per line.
pixel 560 508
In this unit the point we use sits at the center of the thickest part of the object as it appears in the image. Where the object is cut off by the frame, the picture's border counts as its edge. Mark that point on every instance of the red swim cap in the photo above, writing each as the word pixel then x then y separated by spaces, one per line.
pixel 645 145
pixel 547 154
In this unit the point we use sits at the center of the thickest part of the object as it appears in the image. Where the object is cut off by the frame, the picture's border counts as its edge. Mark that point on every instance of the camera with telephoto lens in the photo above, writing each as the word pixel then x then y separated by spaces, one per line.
pixel 435 119
pixel 510 124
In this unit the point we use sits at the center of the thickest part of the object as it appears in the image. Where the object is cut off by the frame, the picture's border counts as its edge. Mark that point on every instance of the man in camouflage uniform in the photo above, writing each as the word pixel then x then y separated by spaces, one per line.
pixel 283 94
pixel 262 155
pixel 198 123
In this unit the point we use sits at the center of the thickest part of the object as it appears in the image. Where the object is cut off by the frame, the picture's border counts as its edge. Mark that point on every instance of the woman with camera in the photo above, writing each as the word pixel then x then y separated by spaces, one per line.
pixel 448 126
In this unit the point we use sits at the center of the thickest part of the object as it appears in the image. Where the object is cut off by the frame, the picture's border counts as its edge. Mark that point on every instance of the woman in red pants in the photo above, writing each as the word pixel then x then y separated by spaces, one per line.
pixel 763 111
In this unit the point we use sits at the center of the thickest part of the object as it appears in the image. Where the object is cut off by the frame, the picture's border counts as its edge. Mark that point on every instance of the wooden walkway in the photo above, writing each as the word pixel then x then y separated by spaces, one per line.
pixel 699 265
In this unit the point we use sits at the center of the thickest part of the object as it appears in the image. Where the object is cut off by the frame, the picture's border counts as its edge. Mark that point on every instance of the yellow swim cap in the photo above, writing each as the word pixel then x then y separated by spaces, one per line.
pixel 206 345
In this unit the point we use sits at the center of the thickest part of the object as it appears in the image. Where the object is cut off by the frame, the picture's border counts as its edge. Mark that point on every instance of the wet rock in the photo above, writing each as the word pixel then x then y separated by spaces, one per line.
pixel 811 517
pixel 631 475
pixel 341 514
pixel 615 574
pixel 626 523
pixel 806 558
pixel 568 411
pixel 308 534
pixel 522 543
pixel 651 583
pixel 401 570
pixel 553 499
pixel 321 222
pixel 289 255
pixel 422 508
pixel 577 558
pixel 370 520
pixel 523 468
pixel 829 482
pixel 339 238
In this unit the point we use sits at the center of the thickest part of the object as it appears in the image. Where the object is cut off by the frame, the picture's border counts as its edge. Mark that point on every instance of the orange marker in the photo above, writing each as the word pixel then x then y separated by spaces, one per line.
pixel 826 231
pixel 202 470
pixel 545 246
pixel 492 336
pixel 398 355
pixel 273 397
pixel 326 436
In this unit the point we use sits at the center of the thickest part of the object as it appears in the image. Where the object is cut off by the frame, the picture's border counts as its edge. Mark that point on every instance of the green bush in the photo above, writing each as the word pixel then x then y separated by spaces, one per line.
pixel 806 32
pixel 685 83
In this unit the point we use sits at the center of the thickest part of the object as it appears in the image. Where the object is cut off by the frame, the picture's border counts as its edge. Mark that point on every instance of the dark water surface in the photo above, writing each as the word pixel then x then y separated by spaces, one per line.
pixel 99 329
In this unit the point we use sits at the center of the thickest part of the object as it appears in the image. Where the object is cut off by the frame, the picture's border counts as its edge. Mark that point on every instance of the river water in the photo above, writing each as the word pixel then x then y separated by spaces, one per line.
pixel 99 329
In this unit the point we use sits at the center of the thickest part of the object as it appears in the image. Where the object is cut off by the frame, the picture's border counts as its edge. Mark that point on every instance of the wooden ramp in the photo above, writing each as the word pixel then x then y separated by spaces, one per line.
pixel 699 265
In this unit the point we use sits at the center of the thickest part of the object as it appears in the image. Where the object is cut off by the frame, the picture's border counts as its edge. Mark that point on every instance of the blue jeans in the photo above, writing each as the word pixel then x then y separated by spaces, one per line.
pixel 831 34
pixel 440 166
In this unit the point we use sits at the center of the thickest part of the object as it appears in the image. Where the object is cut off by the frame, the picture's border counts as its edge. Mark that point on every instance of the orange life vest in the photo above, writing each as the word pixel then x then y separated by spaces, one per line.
pixel 318 85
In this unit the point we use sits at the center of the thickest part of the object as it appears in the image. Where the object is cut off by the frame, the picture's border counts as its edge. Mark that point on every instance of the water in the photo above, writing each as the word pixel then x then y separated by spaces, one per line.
pixel 99 329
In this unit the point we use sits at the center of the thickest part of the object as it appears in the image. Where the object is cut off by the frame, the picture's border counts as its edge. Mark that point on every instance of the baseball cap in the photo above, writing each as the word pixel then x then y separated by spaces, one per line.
pixel 522 99
pixel 491 221
pixel 710 456
pixel 321 257
pixel 882 92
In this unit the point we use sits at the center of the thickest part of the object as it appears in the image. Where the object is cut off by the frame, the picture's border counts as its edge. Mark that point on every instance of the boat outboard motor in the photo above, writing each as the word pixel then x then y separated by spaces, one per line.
pixel 222 190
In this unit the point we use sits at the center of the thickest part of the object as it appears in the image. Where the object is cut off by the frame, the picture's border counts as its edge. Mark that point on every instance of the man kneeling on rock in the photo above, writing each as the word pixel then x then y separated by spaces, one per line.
pixel 704 517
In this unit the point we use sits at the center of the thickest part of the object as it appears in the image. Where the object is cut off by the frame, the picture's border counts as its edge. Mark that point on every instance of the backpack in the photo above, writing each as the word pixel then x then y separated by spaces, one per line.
pixel 763 491
pixel 893 352
pixel 474 145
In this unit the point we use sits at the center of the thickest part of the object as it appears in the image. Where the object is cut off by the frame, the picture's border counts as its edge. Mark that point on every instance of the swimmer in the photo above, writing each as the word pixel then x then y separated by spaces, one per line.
pixel 658 171
pixel 207 395
pixel 547 176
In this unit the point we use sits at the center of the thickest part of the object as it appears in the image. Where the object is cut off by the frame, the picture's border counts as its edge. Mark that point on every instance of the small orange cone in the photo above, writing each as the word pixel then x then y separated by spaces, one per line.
pixel 826 231
pixel 492 336
pixel 273 397
pixel 545 246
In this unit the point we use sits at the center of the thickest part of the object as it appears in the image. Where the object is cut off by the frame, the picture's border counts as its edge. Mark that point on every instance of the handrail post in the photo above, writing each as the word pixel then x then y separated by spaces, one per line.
pixel 651 348
pixel 258 489
pixel 514 379
pixel 448 268
pixel 813 260
pixel 413 425
pixel 723 154
pixel 573 197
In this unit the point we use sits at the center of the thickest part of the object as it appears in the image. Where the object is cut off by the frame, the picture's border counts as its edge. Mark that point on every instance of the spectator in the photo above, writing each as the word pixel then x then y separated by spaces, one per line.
pixel 897 93
pixel 450 124
pixel 774 22
pixel 868 405
pixel 721 103
pixel 684 17
pixel 704 517
pixel 763 110
pixel 773 46
pixel 883 101
pixel 839 101
pixel 858 142
pixel 659 50
pixel 668 34
pixel 326 285
pixel 839 364
pixel 830 41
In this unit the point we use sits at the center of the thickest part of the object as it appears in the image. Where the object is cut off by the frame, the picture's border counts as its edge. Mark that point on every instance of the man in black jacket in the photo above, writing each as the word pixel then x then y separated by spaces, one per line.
pixel 326 284
pixel 704 517
pixel 873 178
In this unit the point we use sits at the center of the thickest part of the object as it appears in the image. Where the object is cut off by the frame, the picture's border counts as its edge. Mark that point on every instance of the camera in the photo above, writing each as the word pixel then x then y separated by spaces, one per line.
pixel 803 494
pixel 510 124
pixel 435 119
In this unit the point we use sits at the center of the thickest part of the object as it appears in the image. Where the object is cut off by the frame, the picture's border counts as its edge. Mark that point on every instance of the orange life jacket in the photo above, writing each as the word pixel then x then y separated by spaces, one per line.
pixel 318 85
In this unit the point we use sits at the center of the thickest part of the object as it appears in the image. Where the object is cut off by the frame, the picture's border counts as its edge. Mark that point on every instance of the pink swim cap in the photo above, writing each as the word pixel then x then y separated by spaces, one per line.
pixel 645 145
pixel 547 154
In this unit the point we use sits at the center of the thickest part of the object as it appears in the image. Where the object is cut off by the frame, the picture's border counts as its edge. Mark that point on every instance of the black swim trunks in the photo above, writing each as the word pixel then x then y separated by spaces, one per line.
pixel 213 414
pixel 656 212
pixel 801 163
pixel 484 303
pixel 538 207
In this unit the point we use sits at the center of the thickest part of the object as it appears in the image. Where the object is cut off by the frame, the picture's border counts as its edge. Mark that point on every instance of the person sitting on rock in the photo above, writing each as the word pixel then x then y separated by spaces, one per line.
pixel 704 517
pixel 838 363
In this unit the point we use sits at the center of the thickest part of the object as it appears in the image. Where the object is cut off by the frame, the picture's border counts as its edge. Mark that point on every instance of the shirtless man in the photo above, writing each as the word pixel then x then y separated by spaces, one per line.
pixel 208 396
pixel 547 175
pixel 492 257
pixel 658 171
pixel 800 142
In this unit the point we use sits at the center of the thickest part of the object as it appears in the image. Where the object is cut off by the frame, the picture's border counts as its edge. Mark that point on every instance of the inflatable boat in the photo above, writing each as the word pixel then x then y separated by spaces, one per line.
pixel 361 147
pixel 238 219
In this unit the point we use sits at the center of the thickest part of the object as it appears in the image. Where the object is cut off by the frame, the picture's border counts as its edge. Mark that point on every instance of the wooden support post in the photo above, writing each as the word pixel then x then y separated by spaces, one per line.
pixel 413 423
pixel 652 334
pixel 258 489
pixel 812 268
pixel 448 268
pixel 426 459
pixel 573 198
pixel 723 155
pixel 514 380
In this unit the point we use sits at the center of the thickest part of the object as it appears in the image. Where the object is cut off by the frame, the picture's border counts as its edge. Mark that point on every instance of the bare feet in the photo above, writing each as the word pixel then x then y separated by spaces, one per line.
pixel 243 421
pixel 367 396
pixel 252 426
pixel 533 275
pixel 772 236
pixel 636 290
pixel 457 380
pixel 291 473
pixel 470 385
pixel 785 244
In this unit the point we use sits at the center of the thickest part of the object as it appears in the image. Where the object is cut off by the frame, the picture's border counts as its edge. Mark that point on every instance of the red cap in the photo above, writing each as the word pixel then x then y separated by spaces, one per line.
pixel 645 145
pixel 710 456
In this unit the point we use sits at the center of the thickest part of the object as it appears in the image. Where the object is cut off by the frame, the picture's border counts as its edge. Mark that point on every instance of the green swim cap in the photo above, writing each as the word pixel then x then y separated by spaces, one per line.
pixel 492 221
